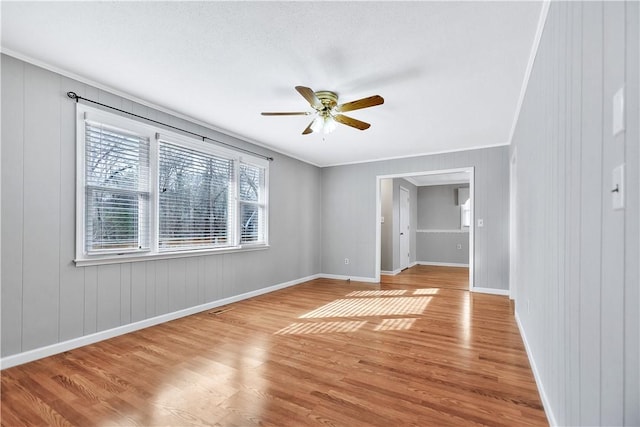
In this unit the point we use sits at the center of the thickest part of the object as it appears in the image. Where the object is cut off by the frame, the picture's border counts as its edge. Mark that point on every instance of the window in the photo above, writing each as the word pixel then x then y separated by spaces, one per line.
pixel 252 207
pixel 465 214
pixel 116 190
pixel 464 201
pixel 194 198
pixel 145 193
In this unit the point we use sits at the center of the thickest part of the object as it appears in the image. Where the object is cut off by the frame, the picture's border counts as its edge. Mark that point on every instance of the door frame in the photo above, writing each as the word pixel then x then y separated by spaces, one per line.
pixel 513 243
pixel 408 237
pixel 379 178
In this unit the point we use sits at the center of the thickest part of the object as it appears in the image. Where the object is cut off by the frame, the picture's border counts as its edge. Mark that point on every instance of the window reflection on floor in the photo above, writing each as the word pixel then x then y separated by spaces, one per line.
pixel 321 327
pixel 395 324
pixel 353 307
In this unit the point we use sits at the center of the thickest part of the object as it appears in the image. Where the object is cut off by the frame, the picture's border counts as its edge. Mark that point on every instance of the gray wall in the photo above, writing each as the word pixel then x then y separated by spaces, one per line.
pixel 438 210
pixel 576 282
pixel 390 230
pixel 349 211
pixel 442 247
pixel 47 299
pixel 438 207
pixel 386 228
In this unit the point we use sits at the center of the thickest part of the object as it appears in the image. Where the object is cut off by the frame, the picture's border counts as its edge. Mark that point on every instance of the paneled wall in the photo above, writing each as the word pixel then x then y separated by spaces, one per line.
pixel 438 207
pixel 46 299
pixel 439 228
pixel 576 284
pixel 349 212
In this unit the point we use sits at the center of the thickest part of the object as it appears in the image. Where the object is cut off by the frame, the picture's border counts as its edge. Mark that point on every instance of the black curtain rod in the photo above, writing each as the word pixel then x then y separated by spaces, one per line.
pixel 77 97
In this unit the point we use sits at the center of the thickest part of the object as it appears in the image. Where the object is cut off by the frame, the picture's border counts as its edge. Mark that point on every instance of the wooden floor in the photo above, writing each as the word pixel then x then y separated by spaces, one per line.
pixel 417 349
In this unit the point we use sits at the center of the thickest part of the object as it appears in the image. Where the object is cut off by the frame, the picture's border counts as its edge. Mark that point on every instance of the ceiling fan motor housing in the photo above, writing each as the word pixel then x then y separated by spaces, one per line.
pixel 329 99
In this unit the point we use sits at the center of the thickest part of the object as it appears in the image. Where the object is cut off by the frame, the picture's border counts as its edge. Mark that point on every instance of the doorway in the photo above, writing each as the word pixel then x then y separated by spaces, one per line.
pixel 405 255
pixel 461 181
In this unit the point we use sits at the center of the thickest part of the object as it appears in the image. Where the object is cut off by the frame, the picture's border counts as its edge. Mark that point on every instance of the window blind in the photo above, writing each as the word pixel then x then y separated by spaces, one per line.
pixel 195 191
pixel 252 206
pixel 117 189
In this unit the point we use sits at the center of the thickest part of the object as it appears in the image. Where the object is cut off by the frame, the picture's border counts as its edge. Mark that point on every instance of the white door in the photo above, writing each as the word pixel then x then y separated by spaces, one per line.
pixel 404 228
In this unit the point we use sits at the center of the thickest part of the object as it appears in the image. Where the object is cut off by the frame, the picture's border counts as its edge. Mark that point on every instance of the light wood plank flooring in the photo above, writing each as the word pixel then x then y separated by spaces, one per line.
pixel 416 349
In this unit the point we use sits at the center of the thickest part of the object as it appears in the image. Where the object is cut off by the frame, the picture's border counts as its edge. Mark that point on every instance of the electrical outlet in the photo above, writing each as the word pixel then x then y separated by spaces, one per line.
pixel 346 260
pixel 459 246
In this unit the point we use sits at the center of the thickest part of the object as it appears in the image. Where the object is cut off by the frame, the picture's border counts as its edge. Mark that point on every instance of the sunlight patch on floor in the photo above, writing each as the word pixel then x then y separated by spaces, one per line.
pixel 376 293
pixel 321 327
pixel 391 306
pixel 395 324
pixel 426 291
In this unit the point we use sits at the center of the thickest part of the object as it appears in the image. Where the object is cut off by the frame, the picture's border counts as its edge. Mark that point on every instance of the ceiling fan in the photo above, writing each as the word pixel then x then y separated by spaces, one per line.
pixel 328 112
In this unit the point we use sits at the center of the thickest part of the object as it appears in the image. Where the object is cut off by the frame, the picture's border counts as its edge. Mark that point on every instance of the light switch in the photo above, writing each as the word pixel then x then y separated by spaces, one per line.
pixel 381 220
pixel 480 223
pixel 617 188
pixel 618 111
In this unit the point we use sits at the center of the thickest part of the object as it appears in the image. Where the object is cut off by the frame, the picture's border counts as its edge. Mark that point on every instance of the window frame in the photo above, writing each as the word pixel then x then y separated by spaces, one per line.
pixel 155 135
pixel 262 203
pixel 88 187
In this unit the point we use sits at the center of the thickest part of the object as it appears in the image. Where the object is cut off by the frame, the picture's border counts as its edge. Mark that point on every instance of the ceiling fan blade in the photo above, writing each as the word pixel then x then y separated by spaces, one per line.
pixel 310 96
pixel 287 113
pixel 349 121
pixel 360 103
pixel 309 129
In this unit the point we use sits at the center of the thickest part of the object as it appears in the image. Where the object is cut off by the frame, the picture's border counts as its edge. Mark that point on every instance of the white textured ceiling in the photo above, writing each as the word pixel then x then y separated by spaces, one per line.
pixel 450 72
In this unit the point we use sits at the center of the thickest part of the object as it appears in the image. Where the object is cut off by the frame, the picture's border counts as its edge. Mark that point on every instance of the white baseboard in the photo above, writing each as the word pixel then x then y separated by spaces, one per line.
pixel 442 264
pixel 413 264
pixel 390 273
pixel 343 277
pixel 50 350
pixel 492 291
pixel 543 395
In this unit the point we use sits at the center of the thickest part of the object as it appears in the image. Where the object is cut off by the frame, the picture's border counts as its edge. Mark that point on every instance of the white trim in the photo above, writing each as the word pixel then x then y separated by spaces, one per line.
pixel 543 395
pixel 442 264
pixel 343 277
pixel 492 291
pixel 390 273
pixel 413 264
pixel 408 156
pixel 133 257
pixel 532 57
pixel 513 209
pixel 408 238
pixel 442 231
pixel 472 229
pixel 50 350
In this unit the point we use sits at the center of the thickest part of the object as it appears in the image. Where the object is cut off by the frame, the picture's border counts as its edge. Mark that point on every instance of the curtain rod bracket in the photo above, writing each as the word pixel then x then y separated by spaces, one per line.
pixel 73 95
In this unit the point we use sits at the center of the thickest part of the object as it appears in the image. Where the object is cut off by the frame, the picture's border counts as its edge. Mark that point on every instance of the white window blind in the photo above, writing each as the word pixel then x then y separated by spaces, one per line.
pixel 195 190
pixel 252 204
pixel 116 190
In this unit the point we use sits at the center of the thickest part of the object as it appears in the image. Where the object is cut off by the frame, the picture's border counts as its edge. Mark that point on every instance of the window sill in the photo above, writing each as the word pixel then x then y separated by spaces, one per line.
pixel 132 257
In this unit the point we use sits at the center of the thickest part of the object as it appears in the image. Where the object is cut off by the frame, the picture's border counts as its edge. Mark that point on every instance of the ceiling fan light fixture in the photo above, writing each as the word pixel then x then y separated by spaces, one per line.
pixel 329 124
